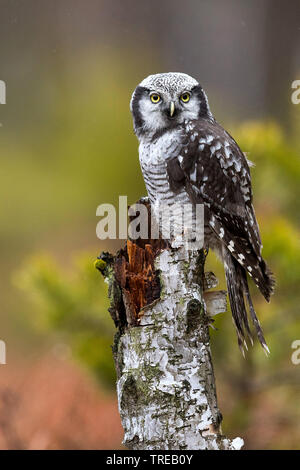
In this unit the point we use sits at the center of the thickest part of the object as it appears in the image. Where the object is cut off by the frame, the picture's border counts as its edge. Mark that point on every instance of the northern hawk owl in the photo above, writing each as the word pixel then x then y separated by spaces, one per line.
pixel 186 157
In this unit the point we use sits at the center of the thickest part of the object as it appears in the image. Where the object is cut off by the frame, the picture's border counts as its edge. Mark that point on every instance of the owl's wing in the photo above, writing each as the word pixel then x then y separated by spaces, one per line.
pixel 214 171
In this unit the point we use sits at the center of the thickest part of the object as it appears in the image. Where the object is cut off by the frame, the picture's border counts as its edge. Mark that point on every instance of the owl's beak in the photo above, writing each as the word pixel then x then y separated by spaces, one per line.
pixel 172 108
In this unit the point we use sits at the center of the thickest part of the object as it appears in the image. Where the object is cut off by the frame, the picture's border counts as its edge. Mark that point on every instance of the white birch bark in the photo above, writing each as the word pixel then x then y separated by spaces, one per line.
pixel 166 387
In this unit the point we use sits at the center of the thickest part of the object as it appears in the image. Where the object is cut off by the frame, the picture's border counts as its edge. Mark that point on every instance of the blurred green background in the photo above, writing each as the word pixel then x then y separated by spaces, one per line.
pixel 67 146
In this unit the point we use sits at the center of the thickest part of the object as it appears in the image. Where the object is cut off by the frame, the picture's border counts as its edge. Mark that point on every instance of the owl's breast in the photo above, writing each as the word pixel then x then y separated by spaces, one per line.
pixel 157 150
pixel 153 159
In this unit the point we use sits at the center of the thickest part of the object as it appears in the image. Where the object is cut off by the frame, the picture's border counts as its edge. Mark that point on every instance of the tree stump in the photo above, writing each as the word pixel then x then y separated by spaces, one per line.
pixel 165 379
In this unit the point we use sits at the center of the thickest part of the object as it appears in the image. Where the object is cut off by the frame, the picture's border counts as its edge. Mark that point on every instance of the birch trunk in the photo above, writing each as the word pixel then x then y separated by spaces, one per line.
pixel 165 379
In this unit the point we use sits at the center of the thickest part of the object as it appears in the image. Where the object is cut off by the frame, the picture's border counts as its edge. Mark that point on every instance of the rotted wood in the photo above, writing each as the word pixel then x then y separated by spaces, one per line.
pixel 135 280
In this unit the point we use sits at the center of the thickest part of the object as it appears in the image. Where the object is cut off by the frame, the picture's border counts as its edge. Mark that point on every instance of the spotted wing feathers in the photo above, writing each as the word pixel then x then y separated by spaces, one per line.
pixel 214 171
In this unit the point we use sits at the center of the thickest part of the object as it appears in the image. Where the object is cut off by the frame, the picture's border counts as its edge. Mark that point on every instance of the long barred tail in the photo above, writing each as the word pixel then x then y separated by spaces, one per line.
pixel 239 259
pixel 242 250
pixel 238 291
pixel 267 288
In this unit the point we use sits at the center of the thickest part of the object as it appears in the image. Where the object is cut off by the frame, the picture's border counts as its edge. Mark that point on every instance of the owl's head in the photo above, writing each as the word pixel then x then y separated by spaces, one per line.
pixel 164 100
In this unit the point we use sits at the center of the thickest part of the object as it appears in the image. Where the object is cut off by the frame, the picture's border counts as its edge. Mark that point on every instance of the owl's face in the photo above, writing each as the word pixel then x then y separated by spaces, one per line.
pixel 162 101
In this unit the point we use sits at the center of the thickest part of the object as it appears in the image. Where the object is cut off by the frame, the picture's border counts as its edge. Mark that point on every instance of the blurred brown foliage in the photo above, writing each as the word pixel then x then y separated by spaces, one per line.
pixel 52 404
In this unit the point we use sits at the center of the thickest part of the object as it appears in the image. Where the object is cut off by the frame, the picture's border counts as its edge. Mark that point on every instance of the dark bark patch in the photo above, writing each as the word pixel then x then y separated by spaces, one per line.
pixel 193 314
pixel 129 393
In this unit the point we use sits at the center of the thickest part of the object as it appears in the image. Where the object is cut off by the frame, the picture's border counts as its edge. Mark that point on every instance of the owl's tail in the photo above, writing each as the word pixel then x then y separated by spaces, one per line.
pixel 238 291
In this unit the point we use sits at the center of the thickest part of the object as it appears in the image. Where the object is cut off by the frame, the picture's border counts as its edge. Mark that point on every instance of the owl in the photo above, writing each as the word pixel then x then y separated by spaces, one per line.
pixel 187 157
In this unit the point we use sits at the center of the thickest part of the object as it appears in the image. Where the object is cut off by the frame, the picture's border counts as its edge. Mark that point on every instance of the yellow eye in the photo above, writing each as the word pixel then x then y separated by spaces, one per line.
pixel 185 97
pixel 155 98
